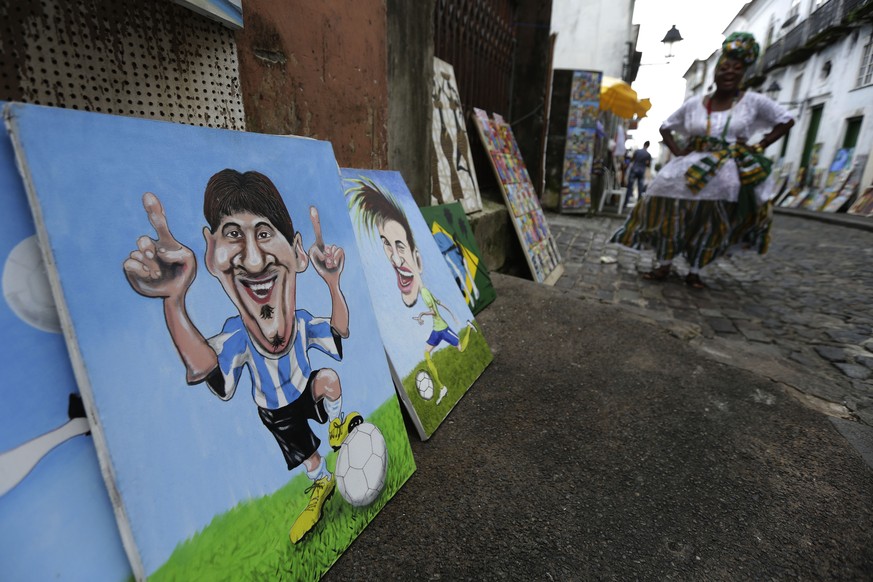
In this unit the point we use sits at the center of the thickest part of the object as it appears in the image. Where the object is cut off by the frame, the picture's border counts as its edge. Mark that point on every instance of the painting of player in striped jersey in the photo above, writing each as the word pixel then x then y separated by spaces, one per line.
pixel 254 252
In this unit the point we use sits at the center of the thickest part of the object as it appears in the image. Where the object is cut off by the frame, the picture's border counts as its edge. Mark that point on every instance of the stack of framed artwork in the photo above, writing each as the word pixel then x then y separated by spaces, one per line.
pixel 540 249
pixel 239 318
pixel 839 191
pixel 845 188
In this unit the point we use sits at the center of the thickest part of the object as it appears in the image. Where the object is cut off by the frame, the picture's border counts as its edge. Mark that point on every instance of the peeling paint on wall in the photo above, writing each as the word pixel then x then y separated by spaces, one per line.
pixel 320 71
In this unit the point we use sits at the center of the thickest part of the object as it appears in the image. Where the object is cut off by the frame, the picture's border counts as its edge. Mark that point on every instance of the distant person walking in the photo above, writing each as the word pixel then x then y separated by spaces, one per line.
pixel 715 192
pixel 640 162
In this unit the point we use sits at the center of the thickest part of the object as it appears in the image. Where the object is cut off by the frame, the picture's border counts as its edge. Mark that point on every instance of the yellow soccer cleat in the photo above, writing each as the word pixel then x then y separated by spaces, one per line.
pixel 320 491
pixel 465 336
pixel 432 369
pixel 338 429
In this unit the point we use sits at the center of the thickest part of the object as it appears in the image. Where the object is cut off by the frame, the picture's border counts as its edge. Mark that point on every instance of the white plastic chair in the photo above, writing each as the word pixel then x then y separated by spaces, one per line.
pixel 610 194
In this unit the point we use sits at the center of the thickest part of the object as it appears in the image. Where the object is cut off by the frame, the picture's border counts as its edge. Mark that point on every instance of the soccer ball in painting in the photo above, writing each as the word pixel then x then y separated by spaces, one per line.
pixel 26 287
pixel 424 383
pixel 361 465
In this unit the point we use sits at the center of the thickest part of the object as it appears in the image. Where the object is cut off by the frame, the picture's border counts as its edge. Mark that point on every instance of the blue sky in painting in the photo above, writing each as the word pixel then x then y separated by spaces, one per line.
pixel 404 337
pixel 180 454
pixel 57 522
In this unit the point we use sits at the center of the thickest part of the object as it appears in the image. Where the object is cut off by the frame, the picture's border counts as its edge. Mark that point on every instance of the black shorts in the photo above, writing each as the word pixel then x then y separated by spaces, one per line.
pixel 290 425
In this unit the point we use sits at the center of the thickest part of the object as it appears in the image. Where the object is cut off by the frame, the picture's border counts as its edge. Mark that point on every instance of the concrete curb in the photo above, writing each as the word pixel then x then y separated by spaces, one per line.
pixel 847 220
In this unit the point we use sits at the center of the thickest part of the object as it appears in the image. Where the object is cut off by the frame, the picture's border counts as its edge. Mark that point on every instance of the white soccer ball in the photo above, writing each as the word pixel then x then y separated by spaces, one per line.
pixel 361 465
pixel 424 383
pixel 26 287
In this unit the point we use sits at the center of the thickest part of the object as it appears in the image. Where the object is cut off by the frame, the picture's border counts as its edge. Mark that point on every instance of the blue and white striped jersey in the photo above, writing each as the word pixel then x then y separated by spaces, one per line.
pixel 277 380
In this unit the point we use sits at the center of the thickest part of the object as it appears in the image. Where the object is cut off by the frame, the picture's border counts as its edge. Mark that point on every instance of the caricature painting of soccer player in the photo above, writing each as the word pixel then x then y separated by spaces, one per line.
pixel 49 473
pixel 254 252
pixel 222 335
pixel 379 204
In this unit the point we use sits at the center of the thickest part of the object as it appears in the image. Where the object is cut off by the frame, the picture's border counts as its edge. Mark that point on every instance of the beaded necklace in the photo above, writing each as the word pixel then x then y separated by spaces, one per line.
pixel 708 106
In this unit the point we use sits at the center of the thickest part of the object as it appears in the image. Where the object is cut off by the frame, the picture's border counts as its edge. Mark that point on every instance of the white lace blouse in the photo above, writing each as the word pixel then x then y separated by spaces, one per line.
pixel 750 114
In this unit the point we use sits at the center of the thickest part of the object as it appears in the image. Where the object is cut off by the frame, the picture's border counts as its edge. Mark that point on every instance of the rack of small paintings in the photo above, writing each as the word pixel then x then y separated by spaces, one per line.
pixel 528 219
pixel 837 190
pixel 579 148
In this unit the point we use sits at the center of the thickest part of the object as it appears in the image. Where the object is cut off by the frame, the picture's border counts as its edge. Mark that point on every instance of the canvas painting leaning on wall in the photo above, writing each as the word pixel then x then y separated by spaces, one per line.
pixel 435 346
pixel 222 334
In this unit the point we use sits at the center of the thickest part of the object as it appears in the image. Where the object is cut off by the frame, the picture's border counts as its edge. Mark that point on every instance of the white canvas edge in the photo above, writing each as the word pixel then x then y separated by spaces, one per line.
pixel 404 398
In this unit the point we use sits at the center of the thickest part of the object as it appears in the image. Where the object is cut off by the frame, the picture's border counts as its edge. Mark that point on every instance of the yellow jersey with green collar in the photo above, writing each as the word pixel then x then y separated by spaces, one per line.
pixel 439 323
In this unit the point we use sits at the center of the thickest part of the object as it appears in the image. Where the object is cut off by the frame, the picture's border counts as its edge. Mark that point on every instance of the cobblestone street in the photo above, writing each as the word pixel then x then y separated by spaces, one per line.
pixel 800 314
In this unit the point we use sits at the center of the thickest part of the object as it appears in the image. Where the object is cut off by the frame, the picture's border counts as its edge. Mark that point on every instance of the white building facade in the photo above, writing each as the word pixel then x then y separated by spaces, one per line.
pixel 593 35
pixel 816 60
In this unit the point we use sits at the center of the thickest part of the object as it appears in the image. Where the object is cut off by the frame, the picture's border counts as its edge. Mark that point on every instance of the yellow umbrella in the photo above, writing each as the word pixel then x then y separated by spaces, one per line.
pixel 618 97
pixel 643 107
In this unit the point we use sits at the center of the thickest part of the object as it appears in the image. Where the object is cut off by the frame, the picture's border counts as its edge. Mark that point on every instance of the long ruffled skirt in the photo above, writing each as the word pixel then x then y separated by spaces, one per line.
pixel 699 230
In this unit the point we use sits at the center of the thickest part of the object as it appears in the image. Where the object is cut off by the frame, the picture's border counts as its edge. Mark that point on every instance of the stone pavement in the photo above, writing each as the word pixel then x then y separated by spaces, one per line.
pixel 800 315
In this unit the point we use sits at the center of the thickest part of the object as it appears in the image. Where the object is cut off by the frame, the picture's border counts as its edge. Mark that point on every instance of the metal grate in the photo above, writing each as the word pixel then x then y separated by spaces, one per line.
pixel 477 37
pixel 126 57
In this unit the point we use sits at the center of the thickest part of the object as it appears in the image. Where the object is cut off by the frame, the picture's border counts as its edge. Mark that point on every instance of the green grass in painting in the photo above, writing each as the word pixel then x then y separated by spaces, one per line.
pixel 250 542
pixel 457 369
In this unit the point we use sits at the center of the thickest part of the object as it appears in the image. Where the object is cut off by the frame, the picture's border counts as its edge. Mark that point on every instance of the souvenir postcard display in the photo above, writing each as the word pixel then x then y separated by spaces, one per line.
pixel 581 134
pixel 528 219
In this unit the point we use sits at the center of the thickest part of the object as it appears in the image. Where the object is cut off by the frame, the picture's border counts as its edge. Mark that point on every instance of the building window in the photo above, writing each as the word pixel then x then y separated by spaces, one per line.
pixel 792 15
pixel 865 75
pixel 853 130
pixel 795 91
pixel 826 69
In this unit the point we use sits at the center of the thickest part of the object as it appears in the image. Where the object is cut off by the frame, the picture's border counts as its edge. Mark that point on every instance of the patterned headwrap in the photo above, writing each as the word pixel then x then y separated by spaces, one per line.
pixel 740 46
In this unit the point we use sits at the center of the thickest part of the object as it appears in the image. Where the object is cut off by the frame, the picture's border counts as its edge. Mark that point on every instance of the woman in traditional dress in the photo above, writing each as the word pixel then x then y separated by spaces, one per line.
pixel 715 192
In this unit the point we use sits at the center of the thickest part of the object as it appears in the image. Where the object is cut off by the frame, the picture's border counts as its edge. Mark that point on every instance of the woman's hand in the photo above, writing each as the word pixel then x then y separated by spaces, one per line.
pixel 671 144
